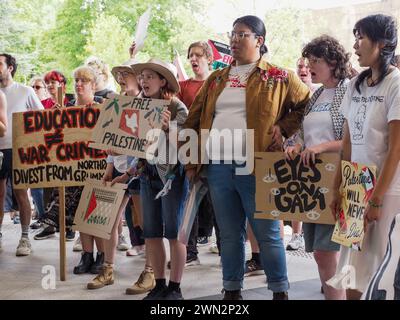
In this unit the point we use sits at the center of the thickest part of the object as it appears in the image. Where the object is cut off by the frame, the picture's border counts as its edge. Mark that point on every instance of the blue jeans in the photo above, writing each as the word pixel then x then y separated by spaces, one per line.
pixel 233 197
pixel 37 195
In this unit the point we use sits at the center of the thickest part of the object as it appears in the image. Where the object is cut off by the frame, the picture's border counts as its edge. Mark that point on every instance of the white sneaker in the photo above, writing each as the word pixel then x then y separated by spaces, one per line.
pixel 122 244
pixel 77 245
pixel 135 251
pixel 24 247
pixel 214 249
pixel 296 242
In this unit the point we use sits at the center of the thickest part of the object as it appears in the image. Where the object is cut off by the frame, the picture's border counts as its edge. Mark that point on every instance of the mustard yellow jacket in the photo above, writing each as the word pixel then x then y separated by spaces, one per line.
pixel 269 101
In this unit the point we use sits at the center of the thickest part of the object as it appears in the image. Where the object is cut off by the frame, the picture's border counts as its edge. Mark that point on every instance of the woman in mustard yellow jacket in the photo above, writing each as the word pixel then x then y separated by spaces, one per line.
pixel 249 94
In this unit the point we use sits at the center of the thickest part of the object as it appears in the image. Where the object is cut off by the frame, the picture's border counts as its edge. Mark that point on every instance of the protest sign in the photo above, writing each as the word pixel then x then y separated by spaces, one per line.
pixel 98 208
pixel 222 54
pixel 197 193
pixel 141 30
pixel 124 123
pixel 51 148
pixel 358 183
pixel 182 75
pixel 289 190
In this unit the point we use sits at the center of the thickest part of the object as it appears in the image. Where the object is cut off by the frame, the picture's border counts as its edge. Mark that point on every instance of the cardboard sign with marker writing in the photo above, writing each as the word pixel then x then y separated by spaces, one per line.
pixel 289 190
pixel 124 123
pixel 51 148
pixel 98 208
pixel 358 183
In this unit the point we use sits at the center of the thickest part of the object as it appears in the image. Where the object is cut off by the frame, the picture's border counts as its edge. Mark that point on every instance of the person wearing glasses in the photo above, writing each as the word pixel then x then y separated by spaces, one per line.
pixel 249 94
pixel 329 65
pixel 38 84
pixel 117 165
pixel 84 83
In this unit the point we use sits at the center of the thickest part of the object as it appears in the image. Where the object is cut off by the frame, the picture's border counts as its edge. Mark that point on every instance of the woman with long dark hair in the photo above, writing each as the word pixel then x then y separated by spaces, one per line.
pixel 371 108
pixel 249 94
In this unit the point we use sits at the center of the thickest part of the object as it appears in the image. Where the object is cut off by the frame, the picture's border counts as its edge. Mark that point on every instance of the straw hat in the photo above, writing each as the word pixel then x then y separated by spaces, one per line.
pixel 167 70
pixel 126 66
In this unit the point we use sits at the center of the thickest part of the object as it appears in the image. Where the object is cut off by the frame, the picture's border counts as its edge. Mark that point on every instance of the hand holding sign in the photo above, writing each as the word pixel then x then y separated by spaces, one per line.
pixel 132 50
pixel 371 214
pixel 165 118
pixel 277 139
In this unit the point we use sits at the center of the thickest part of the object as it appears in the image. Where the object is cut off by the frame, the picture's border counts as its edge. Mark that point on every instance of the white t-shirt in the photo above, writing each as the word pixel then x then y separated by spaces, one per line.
pixel 230 118
pixel 368 115
pixel 318 125
pixel 20 98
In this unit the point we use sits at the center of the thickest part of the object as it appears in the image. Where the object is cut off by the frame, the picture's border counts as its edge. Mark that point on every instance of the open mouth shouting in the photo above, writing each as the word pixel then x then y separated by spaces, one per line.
pixel 195 66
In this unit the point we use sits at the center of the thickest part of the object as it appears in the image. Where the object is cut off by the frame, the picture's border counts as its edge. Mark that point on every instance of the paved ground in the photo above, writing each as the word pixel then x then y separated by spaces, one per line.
pixel 21 277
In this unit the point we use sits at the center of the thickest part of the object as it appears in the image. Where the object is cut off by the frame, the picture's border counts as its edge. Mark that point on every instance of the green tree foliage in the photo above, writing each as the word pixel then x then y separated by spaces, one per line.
pixel 104 29
pixel 288 30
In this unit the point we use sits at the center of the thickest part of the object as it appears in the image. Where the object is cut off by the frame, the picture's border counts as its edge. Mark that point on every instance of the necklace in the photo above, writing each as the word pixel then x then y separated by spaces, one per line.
pixel 238 76
pixel 371 82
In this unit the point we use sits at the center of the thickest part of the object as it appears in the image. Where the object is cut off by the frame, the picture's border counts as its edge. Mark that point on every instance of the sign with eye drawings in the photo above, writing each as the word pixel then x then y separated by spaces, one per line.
pixel 289 190
pixel 125 122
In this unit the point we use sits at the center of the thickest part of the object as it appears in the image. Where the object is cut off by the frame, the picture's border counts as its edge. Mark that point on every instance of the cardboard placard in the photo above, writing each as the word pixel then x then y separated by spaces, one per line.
pixel 289 190
pixel 98 208
pixel 222 54
pixel 124 123
pixel 51 148
pixel 191 207
pixel 358 183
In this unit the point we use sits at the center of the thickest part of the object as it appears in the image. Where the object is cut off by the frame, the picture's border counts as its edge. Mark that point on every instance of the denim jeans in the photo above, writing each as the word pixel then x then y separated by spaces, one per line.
pixel 233 198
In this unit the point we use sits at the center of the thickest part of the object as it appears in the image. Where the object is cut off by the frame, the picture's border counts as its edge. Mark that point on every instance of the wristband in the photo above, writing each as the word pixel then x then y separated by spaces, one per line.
pixel 374 205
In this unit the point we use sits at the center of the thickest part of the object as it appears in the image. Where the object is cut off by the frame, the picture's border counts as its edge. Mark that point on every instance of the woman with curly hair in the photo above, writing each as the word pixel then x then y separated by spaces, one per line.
pixel 322 132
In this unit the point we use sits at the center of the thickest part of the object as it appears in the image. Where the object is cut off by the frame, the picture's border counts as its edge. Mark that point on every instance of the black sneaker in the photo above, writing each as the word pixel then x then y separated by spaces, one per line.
pixel 202 241
pixel 36 225
pixel 172 295
pixel 156 294
pixel 253 268
pixel 232 295
pixel 192 260
pixel 69 235
pixel 47 232
pixel 280 296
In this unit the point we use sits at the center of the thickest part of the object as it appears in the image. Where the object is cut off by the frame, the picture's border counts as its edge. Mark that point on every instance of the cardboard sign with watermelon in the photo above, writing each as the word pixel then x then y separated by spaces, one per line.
pixel 222 54
pixel 98 208
pixel 358 183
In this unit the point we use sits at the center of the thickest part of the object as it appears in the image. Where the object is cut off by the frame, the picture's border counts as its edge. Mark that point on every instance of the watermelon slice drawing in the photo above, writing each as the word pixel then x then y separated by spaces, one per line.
pixel 92 205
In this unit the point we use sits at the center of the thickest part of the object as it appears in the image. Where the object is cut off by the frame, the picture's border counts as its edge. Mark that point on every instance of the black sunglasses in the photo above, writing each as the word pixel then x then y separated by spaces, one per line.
pixel 37 87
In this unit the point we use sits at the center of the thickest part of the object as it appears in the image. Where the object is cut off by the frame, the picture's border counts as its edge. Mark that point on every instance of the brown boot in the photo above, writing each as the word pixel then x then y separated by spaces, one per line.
pixel 145 283
pixel 104 278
